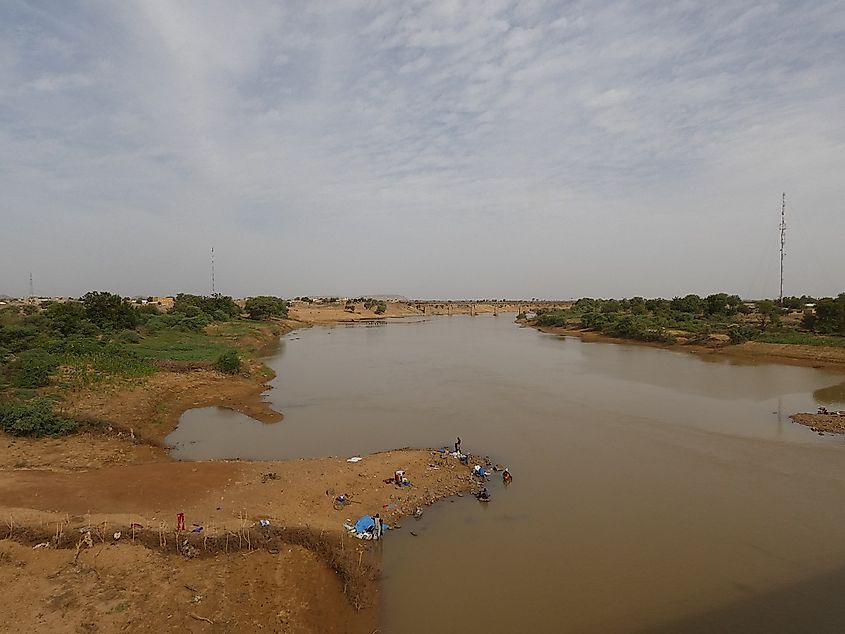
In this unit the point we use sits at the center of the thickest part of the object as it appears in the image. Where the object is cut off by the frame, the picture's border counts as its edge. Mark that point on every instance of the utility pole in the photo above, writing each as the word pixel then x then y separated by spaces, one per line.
pixel 31 287
pixel 212 271
pixel 782 241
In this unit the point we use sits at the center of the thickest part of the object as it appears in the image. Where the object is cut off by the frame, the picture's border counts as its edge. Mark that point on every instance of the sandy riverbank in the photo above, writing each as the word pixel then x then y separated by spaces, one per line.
pixel 751 351
pixel 821 423
pixel 302 573
pixel 304 539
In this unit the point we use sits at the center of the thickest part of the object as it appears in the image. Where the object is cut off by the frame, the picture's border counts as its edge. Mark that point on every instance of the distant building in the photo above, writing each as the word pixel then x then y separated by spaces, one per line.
pixel 164 303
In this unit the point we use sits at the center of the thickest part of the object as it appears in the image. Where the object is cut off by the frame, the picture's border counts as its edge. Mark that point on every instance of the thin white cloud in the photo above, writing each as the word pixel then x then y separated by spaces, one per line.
pixel 533 135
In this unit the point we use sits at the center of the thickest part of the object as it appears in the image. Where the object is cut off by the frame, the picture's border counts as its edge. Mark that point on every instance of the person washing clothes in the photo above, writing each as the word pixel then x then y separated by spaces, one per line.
pixel 506 476
pixel 378 528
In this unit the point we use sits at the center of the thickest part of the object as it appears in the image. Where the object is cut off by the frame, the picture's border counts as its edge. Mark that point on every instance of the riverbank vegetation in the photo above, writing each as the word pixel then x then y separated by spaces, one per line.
pixel 718 317
pixel 58 347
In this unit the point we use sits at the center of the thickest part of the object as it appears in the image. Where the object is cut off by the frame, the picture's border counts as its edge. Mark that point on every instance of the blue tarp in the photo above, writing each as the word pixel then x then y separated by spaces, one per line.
pixel 364 523
pixel 367 522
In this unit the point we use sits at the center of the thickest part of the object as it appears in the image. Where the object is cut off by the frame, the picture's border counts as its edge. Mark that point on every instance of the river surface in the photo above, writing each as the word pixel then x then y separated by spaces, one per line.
pixel 654 491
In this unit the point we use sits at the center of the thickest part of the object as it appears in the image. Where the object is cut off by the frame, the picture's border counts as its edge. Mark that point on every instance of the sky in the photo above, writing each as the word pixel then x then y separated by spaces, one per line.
pixel 440 149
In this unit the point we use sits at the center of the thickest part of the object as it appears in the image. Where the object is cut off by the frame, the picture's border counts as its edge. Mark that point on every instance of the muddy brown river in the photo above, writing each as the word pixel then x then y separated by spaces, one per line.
pixel 654 491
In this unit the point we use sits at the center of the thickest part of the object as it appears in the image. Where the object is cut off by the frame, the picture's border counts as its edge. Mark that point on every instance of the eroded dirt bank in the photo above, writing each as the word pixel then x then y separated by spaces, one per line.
pixel 132 588
pixel 141 573
pixel 751 351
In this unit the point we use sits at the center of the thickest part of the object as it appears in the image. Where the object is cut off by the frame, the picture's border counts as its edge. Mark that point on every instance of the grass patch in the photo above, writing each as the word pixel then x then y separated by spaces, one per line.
pixel 801 338
pixel 34 418
pixel 181 346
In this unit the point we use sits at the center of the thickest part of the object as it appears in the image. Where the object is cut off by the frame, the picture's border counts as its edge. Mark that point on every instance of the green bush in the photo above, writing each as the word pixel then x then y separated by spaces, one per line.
pixel 128 336
pixel 33 368
pixel 222 307
pixel 264 306
pixel 228 362
pixel 741 333
pixel 34 418
pixel 553 318
pixel 109 311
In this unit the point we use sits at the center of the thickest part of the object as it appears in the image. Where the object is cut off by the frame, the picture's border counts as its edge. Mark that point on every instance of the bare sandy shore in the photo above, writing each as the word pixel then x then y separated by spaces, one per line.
pixel 302 572
pixel 821 423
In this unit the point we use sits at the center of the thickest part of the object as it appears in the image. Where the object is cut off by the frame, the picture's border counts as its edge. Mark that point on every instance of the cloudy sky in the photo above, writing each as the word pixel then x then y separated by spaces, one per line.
pixel 432 149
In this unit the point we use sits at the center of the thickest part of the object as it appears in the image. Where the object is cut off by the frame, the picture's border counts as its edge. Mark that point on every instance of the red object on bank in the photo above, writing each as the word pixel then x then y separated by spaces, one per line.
pixel 180 521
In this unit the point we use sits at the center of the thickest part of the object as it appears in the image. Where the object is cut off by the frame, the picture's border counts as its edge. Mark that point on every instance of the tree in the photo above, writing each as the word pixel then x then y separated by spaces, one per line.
pixel 65 317
pixel 716 304
pixel 108 311
pixel 611 306
pixel 216 305
pixel 769 313
pixel 264 306
pixel 657 305
pixel 692 304
pixel 637 306
pixel 830 315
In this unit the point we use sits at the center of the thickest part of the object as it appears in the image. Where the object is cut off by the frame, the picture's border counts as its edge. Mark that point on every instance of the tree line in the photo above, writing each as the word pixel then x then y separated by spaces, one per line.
pixel 652 319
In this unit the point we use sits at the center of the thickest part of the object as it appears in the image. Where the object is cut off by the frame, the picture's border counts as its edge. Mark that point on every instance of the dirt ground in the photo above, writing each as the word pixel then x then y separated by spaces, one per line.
pixel 335 313
pixel 118 587
pixel 822 423
pixel 221 494
pixel 123 585
pixel 91 449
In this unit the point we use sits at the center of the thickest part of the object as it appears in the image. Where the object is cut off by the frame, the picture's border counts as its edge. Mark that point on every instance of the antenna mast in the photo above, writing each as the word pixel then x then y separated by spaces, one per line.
pixel 31 287
pixel 782 240
pixel 212 272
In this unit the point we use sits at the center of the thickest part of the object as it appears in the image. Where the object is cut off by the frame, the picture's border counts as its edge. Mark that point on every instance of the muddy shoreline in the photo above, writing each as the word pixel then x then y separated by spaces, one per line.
pixel 752 351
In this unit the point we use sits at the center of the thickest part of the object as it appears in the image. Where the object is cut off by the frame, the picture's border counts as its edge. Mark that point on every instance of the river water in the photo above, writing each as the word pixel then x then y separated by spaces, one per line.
pixel 654 491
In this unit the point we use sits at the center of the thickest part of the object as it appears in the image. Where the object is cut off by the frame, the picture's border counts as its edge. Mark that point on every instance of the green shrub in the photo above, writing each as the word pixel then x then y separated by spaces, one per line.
pixel 222 307
pixel 264 306
pixel 33 368
pixel 741 333
pixel 228 362
pixel 109 311
pixel 34 418
pixel 128 336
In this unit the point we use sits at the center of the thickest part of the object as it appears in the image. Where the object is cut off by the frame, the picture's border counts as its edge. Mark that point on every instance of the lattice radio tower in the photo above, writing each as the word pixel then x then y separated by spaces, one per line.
pixel 31 287
pixel 213 290
pixel 782 241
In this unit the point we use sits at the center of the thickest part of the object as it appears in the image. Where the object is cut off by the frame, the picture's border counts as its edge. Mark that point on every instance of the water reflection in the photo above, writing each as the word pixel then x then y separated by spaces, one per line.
pixel 833 395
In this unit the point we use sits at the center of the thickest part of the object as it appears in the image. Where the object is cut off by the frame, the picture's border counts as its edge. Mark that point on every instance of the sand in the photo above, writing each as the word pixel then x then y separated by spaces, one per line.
pixel 302 573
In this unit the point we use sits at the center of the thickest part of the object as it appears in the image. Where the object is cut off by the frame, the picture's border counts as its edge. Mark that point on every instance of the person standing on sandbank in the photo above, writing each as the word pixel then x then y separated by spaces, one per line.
pixel 377 528
pixel 458 445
